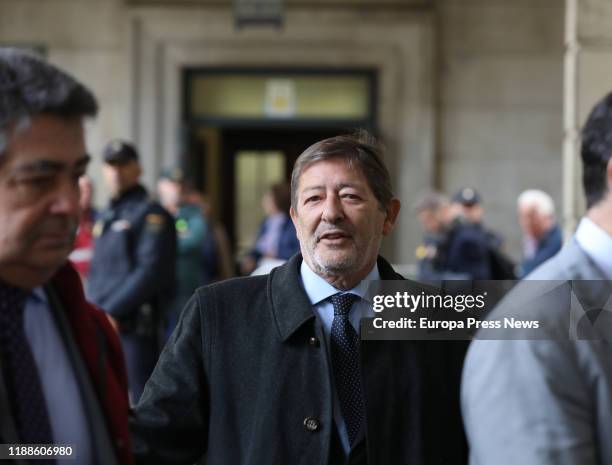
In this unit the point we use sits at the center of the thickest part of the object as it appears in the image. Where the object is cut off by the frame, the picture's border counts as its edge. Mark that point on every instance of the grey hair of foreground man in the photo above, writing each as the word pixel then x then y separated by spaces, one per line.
pixel 360 149
pixel 30 86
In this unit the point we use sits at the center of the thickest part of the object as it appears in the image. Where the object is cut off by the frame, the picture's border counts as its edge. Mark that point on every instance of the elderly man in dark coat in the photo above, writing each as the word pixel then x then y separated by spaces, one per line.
pixel 270 370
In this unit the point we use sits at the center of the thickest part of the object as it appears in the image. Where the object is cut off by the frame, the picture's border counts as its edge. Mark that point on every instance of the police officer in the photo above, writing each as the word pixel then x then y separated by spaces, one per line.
pixel 453 247
pixel 132 270
pixel 192 233
pixel 500 266
pixel 472 211
pixel 432 212
pixel 467 250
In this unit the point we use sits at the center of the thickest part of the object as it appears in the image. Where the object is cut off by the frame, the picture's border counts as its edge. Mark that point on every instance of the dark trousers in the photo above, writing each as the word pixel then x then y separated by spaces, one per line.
pixel 140 354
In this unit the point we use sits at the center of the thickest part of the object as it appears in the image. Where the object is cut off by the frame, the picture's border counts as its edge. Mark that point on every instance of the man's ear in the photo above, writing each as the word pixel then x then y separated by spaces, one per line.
pixel 138 169
pixel 609 174
pixel 392 212
pixel 294 218
pixel 293 215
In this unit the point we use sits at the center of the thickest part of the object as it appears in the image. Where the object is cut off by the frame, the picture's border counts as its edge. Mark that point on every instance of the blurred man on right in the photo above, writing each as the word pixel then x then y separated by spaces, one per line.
pixel 548 401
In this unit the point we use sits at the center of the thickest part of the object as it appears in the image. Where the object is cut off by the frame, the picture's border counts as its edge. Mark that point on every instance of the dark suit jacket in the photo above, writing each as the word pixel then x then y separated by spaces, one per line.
pixel 547 247
pixel 245 381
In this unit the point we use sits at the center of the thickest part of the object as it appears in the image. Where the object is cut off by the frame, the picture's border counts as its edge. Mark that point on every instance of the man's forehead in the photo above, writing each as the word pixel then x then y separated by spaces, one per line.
pixel 47 142
pixel 529 207
pixel 335 170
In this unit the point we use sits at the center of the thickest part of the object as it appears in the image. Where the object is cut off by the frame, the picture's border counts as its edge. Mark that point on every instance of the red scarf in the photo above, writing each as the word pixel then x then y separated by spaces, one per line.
pixel 90 327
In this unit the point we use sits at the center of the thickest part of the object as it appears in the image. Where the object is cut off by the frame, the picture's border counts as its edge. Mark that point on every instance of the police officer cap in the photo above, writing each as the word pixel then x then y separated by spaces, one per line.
pixel 118 151
pixel 467 196
pixel 174 174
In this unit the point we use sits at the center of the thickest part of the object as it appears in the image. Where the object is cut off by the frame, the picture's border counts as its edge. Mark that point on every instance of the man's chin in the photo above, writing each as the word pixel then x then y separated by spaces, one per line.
pixel 51 258
pixel 31 274
pixel 335 264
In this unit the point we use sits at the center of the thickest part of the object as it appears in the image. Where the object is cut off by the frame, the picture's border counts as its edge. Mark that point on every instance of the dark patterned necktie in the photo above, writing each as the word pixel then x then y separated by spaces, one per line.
pixel 24 385
pixel 345 363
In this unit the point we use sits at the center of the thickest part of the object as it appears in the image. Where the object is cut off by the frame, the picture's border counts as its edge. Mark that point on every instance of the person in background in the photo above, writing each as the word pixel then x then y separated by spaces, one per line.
pixel 132 275
pixel 467 248
pixel 276 238
pixel 217 256
pixel 433 213
pixel 84 243
pixel 62 377
pixel 542 237
pixel 192 232
pixel 469 202
pixel 453 248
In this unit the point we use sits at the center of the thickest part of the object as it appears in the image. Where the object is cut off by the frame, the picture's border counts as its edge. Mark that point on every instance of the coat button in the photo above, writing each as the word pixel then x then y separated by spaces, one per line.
pixel 313 341
pixel 311 424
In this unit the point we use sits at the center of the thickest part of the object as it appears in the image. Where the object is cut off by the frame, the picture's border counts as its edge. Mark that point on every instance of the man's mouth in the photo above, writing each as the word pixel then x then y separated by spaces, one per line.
pixel 58 238
pixel 334 236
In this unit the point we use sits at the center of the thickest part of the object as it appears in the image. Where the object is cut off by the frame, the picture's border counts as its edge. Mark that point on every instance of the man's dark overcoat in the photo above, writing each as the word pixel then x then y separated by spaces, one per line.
pixel 245 380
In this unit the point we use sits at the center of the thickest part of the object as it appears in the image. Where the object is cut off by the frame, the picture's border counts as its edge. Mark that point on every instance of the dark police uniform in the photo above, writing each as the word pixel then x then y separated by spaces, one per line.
pixel 461 252
pixel 468 251
pixel 480 262
pixel 132 276
pixel 431 256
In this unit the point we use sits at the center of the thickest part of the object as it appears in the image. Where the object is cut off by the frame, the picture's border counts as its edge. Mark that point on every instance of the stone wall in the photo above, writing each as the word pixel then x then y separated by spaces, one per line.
pixel 500 105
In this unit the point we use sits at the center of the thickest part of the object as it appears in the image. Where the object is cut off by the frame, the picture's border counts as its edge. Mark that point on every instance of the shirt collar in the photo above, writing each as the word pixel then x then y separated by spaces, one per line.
pixel 596 243
pixel 39 294
pixel 317 289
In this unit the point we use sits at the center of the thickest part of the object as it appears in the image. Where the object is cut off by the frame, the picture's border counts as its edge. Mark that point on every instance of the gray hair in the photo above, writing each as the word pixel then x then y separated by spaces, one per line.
pixel 359 149
pixel 430 201
pixel 542 201
pixel 30 86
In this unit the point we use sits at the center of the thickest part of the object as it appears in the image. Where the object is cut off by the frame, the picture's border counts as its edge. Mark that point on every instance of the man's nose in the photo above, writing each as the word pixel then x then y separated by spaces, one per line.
pixel 332 209
pixel 66 201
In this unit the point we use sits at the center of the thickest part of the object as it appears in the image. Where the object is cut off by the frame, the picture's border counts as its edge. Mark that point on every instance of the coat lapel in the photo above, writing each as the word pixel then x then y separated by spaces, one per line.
pixel 289 303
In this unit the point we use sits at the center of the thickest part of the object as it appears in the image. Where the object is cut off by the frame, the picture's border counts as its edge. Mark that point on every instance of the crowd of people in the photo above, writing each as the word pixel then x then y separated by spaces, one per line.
pixel 457 245
pixel 145 365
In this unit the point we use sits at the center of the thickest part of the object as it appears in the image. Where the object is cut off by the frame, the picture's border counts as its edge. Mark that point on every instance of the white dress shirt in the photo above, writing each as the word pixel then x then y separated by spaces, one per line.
pixel 596 243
